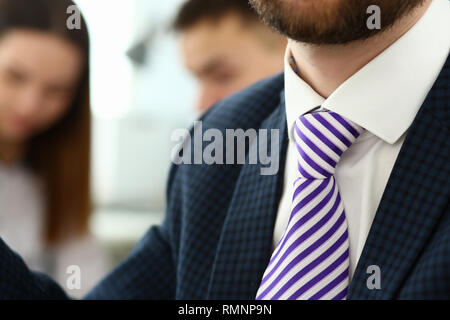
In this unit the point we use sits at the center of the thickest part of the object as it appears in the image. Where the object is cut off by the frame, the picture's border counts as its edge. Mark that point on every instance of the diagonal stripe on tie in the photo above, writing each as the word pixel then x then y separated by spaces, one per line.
pixel 311 260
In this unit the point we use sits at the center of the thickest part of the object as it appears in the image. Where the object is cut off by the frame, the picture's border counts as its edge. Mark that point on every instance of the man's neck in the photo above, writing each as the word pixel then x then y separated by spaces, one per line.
pixel 326 67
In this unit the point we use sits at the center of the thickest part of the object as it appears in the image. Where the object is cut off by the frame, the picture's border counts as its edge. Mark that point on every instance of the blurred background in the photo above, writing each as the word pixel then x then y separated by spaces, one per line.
pixel 135 65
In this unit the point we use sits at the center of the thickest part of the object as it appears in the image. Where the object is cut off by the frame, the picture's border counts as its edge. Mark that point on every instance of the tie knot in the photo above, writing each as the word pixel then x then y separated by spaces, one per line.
pixel 321 139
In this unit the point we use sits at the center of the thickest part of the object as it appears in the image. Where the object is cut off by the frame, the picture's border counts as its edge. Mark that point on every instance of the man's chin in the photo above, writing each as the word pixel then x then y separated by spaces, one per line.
pixel 330 21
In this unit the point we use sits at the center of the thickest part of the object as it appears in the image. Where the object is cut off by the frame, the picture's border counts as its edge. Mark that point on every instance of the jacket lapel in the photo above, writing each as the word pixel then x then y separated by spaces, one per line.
pixel 402 226
pixel 245 244
pixel 410 206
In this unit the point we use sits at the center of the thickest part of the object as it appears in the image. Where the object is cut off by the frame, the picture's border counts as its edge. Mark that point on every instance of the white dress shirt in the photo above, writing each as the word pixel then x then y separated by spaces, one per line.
pixel 383 98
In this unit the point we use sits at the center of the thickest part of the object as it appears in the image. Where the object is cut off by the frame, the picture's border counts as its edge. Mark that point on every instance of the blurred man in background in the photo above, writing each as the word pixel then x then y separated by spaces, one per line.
pixel 226 47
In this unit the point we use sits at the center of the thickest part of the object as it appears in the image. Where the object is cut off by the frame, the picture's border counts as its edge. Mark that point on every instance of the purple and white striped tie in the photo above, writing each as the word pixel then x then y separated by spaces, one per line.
pixel 311 261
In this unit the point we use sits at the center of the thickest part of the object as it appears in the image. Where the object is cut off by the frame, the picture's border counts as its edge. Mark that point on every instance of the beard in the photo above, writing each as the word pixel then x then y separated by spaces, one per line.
pixel 330 21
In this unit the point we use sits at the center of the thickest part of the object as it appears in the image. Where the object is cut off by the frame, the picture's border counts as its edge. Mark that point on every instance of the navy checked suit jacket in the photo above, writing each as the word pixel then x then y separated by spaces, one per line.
pixel 215 241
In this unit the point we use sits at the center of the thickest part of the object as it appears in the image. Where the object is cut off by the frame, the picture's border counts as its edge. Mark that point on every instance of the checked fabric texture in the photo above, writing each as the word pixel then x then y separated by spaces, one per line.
pixel 311 261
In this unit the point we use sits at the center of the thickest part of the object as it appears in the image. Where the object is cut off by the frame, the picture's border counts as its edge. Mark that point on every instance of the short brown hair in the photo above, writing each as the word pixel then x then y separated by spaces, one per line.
pixel 193 11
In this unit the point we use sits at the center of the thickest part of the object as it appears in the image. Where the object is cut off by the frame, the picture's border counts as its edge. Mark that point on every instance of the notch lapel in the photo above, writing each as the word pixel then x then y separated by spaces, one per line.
pixel 244 247
pixel 414 199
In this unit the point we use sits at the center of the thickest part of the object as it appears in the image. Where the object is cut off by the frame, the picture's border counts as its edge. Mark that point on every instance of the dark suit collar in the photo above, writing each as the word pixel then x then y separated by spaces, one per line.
pixel 408 213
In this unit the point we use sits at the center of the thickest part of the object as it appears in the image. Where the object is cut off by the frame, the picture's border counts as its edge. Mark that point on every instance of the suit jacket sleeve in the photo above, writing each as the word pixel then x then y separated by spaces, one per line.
pixel 149 272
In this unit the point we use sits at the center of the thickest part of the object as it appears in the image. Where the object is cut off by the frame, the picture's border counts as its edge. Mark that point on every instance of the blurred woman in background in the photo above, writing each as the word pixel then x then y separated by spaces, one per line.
pixel 45 140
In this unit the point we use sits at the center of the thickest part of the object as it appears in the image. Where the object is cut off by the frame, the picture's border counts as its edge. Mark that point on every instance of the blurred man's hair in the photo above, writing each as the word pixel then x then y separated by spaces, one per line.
pixel 194 11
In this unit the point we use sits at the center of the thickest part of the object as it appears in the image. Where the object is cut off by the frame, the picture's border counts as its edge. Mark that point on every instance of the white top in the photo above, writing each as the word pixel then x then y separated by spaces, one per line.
pixel 384 98
pixel 22 227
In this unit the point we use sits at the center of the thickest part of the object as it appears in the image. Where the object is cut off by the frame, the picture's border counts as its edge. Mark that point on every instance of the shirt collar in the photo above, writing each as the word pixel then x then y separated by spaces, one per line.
pixel 386 94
